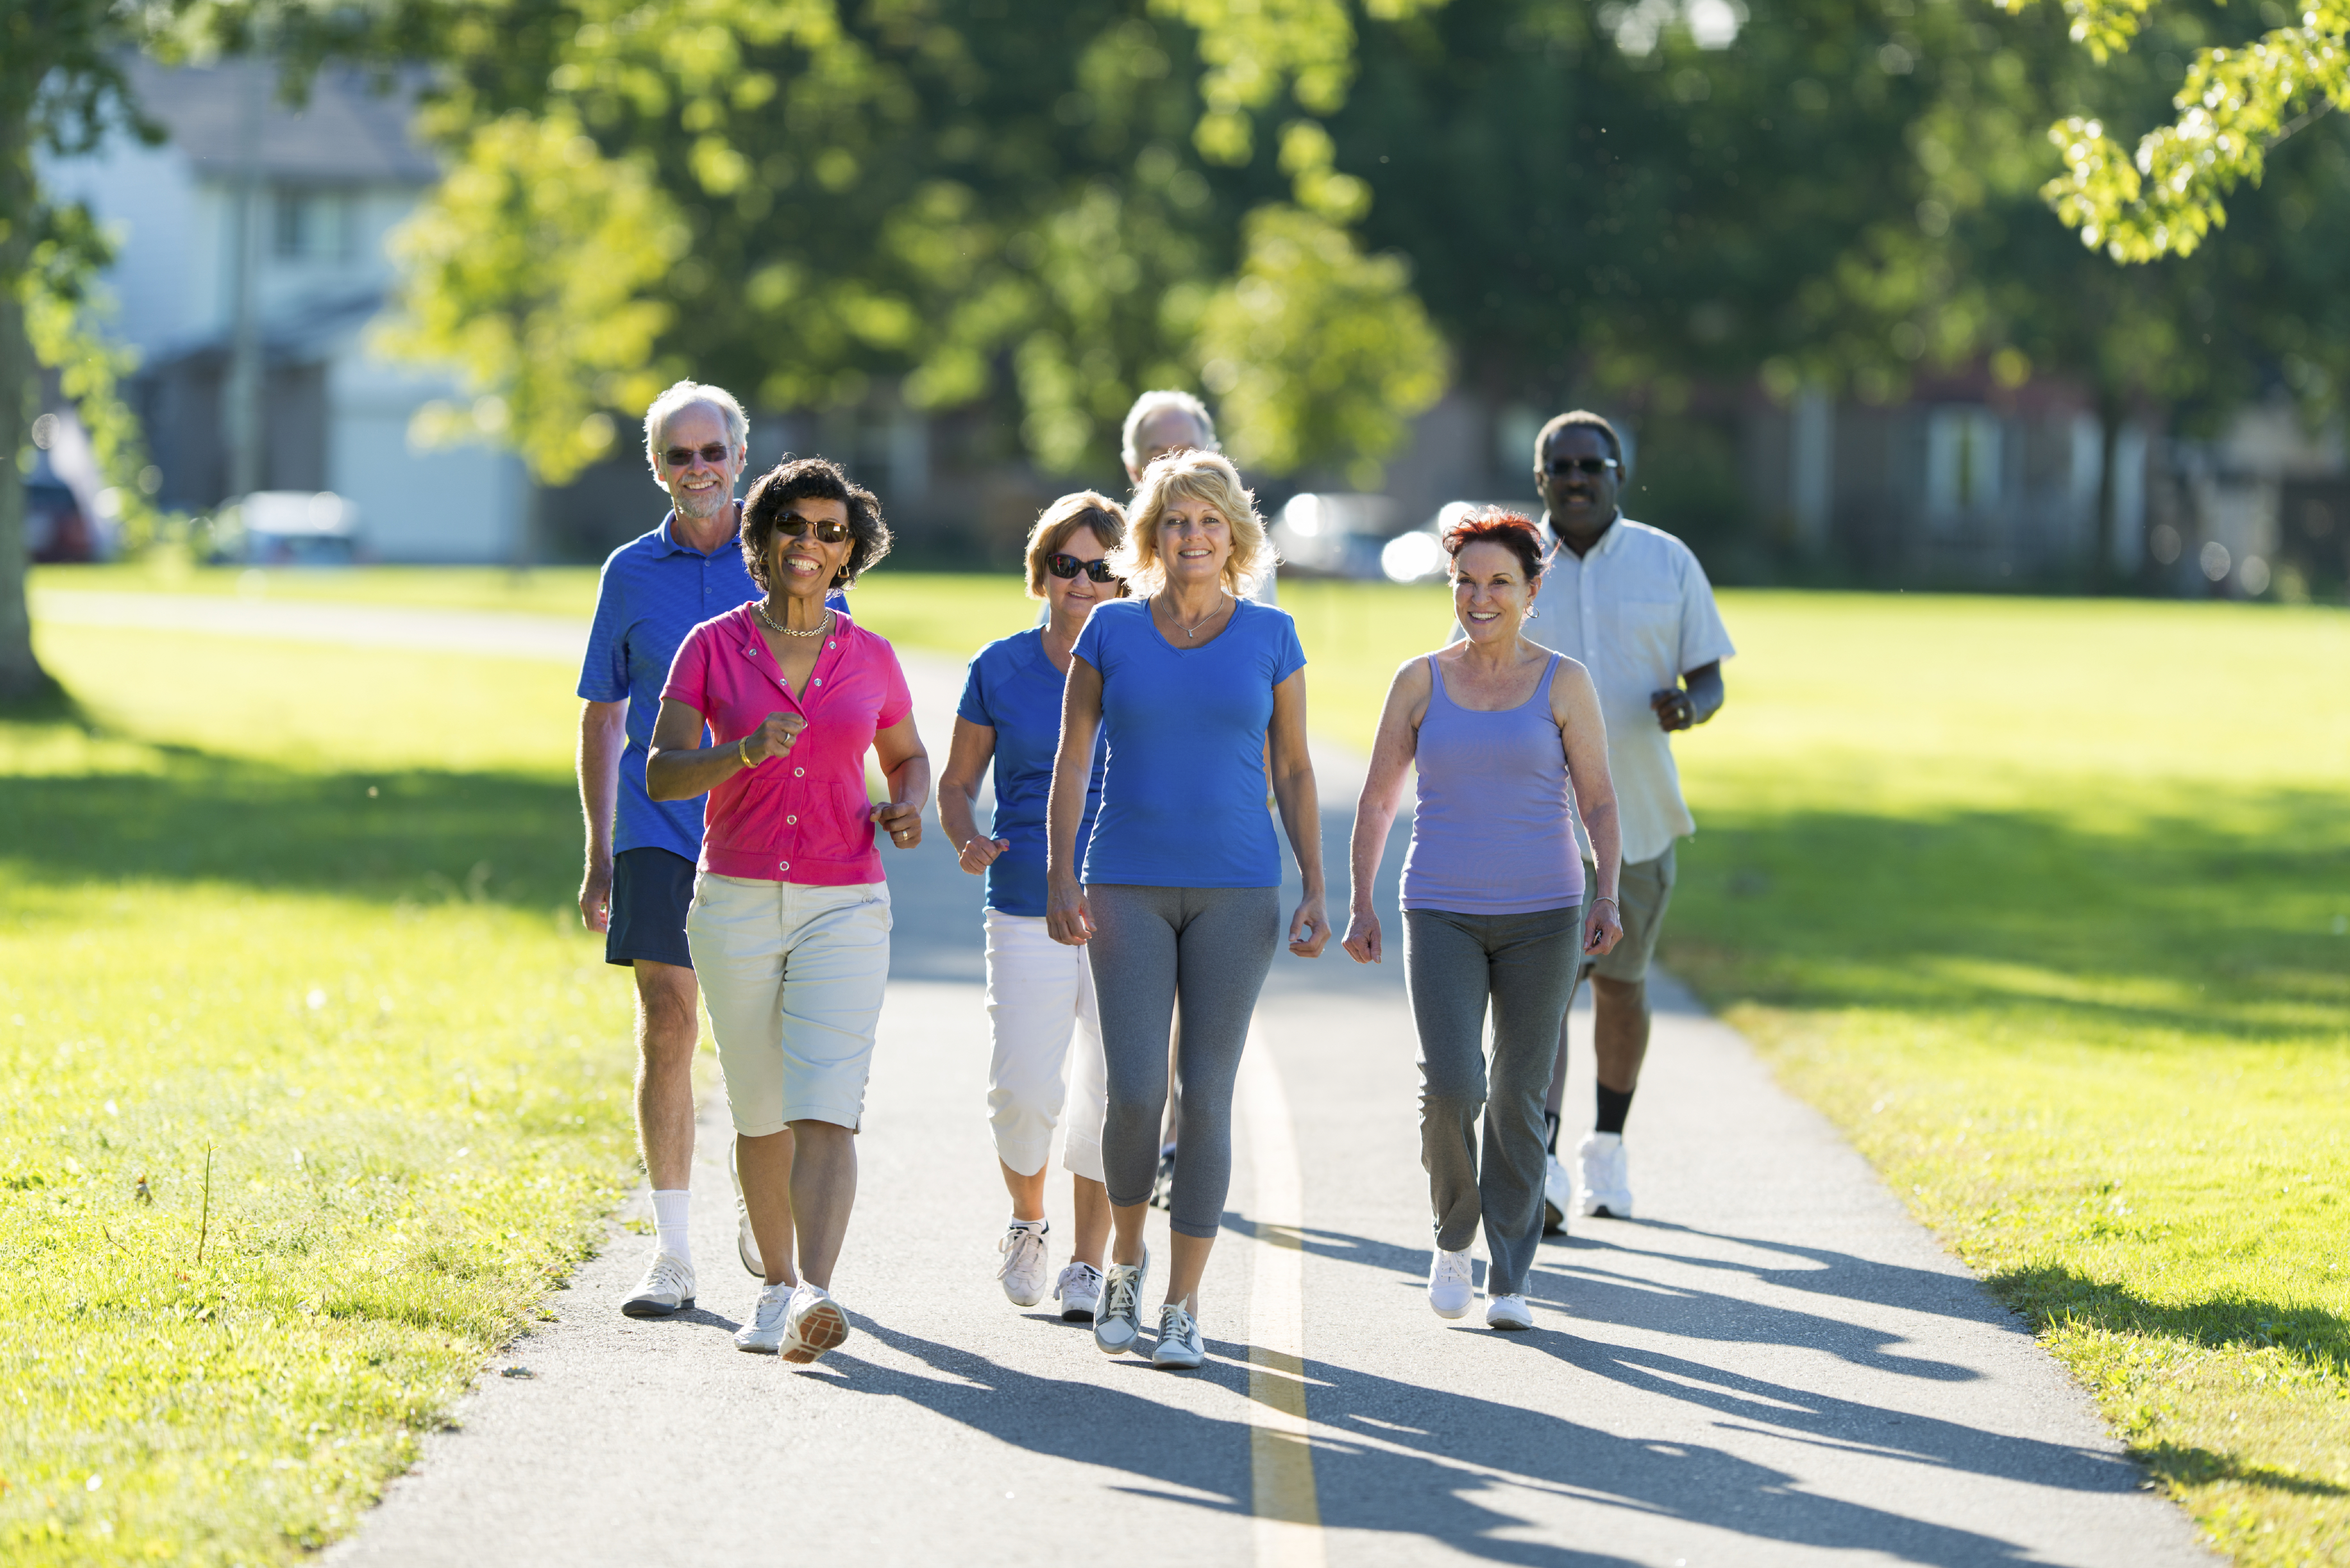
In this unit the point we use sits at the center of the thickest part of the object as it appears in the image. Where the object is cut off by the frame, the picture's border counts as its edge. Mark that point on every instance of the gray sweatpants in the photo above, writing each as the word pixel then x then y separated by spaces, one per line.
pixel 1454 965
pixel 1212 947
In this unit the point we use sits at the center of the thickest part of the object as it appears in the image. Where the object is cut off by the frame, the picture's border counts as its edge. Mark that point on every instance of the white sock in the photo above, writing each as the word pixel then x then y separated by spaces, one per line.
pixel 1039 1226
pixel 669 1221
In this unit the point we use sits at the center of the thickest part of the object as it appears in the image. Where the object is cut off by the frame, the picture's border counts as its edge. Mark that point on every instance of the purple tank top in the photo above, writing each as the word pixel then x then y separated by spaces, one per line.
pixel 1494 833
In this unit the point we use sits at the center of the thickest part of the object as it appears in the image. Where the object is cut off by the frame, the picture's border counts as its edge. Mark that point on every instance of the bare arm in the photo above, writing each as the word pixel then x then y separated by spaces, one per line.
pixel 603 736
pixel 679 768
pixel 1574 703
pixel 906 764
pixel 1065 915
pixel 967 754
pixel 1382 796
pixel 1301 813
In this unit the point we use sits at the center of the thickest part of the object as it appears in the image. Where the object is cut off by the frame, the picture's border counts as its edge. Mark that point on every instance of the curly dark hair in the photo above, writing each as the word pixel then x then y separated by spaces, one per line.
pixel 1511 529
pixel 812 479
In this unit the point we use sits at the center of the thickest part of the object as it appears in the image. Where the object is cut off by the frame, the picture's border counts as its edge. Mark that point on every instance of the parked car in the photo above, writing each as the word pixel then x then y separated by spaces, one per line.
pixel 287 528
pixel 1334 534
pixel 56 526
pixel 1418 556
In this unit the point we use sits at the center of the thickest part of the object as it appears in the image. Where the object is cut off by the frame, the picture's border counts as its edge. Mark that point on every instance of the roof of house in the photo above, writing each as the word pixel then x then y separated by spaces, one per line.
pixel 348 132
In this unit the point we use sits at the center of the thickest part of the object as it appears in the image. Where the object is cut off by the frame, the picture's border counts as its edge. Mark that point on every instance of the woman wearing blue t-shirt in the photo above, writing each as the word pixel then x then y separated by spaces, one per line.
pixel 1180 890
pixel 1040 993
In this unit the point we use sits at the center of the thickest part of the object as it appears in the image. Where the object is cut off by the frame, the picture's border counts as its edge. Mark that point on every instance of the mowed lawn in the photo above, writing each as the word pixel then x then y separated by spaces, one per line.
pixel 2046 903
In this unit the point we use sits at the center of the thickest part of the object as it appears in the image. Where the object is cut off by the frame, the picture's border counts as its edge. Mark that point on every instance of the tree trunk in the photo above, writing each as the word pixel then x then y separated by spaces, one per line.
pixel 2109 437
pixel 22 679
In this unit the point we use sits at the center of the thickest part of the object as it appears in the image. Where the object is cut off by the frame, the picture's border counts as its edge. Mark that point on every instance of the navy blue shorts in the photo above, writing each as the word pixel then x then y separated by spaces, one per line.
pixel 652 890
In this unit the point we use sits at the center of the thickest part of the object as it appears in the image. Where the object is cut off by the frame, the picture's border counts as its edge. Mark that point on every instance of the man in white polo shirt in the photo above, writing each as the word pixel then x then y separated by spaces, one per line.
pixel 1632 603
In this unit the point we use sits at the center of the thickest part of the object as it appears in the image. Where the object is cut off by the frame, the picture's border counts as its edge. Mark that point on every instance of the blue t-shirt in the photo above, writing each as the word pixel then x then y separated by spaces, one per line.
pixel 653 591
pixel 1013 689
pixel 1183 798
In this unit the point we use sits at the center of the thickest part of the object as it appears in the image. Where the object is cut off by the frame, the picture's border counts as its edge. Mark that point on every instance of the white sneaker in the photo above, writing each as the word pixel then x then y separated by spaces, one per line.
pixel 1449 1286
pixel 764 1334
pixel 667 1287
pixel 1180 1344
pixel 814 1325
pixel 1079 1291
pixel 1117 1318
pixel 1508 1312
pixel 1603 1181
pixel 1024 1262
pixel 1558 1196
pixel 746 1242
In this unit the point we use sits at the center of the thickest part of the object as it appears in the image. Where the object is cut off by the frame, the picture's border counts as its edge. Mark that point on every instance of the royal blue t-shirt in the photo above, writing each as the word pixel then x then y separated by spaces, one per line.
pixel 1184 796
pixel 1013 689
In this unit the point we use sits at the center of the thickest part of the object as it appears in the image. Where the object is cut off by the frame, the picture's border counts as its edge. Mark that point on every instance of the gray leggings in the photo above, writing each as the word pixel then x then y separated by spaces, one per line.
pixel 1453 964
pixel 1211 947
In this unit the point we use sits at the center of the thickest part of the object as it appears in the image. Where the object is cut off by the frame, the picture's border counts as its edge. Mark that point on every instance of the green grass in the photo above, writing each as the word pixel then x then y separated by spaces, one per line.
pixel 304 916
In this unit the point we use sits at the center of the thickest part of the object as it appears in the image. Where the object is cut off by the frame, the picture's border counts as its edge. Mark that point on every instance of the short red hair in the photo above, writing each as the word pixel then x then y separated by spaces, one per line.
pixel 1513 531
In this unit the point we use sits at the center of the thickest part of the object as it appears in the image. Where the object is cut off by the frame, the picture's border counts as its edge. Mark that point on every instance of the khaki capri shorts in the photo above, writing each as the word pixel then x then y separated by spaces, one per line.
pixel 792 977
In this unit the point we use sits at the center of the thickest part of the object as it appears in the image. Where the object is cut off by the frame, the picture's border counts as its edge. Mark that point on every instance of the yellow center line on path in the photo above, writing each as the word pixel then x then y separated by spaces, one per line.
pixel 1288 1526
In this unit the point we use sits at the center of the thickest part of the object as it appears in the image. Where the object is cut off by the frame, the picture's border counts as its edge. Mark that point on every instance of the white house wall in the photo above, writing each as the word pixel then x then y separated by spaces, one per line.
pixel 460 504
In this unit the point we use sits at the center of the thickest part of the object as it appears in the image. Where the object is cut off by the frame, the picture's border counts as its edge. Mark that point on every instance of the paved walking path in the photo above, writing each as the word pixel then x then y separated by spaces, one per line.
pixel 1772 1365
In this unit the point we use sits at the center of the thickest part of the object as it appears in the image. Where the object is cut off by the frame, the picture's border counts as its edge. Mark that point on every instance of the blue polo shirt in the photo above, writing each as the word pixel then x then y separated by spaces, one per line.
pixel 653 591
pixel 1013 689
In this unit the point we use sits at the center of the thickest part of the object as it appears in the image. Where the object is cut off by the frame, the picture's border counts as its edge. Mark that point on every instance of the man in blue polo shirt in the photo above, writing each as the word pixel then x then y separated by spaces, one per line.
pixel 642 852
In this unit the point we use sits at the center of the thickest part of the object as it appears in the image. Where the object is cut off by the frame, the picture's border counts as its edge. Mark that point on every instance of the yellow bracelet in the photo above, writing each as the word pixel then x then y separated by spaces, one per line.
pixel 743 751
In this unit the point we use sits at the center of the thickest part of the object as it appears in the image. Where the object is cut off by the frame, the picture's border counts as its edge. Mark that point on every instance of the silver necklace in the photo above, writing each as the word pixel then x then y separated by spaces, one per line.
pixel 760 610
pixel 1192 631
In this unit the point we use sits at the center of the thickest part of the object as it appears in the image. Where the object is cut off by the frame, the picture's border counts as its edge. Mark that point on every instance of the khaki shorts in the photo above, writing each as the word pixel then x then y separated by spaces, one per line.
pixel 1644 888
pixel 792 977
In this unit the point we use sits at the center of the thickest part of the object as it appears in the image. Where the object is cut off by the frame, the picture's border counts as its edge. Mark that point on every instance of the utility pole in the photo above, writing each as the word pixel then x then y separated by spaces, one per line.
pixel 242 412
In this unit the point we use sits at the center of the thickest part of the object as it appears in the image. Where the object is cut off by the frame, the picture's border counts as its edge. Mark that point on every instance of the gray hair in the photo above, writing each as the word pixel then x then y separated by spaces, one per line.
pixel 1151 403
pixel 684 394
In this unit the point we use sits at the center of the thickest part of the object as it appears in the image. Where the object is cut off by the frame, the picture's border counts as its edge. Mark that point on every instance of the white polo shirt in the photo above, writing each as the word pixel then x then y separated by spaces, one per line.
pixel 1639 613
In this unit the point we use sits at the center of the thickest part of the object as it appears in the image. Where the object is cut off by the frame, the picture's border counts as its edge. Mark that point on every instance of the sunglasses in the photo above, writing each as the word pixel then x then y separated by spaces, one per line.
pixel 1589 467
pixel 1069 566
pixel 827 531
pixel 714 455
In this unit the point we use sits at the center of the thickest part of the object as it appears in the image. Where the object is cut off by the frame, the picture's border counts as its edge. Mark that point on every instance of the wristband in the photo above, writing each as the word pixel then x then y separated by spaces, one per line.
pixel 1597 902
pixel 743 752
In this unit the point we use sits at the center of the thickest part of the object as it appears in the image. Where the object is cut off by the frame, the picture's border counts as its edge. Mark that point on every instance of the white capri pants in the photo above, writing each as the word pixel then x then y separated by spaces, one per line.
pixel 792 977
pixel 1040 995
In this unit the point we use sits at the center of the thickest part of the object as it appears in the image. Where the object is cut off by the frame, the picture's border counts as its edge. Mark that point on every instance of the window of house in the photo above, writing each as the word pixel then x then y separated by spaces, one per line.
pixel 311 224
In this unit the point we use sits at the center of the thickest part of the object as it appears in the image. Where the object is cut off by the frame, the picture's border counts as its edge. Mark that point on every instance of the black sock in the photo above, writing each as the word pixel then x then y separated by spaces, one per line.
pixel 1550 1131
pixel 1614 1106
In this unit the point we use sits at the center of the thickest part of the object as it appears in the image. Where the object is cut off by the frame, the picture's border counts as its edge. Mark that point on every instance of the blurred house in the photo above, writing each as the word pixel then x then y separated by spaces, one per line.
pixel 328 182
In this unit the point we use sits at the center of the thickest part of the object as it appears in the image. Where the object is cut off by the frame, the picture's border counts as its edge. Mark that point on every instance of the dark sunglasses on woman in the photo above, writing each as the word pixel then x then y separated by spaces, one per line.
pixel 827 531
pixel 1590 467
pixel 1069 566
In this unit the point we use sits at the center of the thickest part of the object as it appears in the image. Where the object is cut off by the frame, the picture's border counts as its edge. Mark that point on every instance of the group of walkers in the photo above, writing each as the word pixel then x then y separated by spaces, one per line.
pixel 1133 870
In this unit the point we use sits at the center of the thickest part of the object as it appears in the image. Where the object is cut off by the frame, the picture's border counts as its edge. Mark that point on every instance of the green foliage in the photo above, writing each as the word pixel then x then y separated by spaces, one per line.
pixel 2237 103
pixel 530 269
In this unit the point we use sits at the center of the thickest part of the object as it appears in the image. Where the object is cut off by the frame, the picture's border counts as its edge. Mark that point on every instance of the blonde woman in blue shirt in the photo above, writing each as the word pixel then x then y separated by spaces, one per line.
pixel 1178 892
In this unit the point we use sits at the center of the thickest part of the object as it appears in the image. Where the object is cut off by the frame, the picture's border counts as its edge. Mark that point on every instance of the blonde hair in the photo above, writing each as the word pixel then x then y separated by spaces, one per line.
pixel 1193 475
pixel 1061 520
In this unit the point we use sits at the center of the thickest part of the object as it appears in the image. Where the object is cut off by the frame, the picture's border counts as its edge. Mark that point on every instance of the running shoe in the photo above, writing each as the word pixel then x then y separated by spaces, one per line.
pixel 1508 1311
pixel 1603 1181
pixel 1180 1346
pixel 746 1244
pixel 1449 1287
pixel 1024 1262
pixel 1079 1291
pixel 1118 1319
pixel 667 1287
pixel 764 1334
pixel 1162 1185
pixel 1558 1196
pixel 814 1325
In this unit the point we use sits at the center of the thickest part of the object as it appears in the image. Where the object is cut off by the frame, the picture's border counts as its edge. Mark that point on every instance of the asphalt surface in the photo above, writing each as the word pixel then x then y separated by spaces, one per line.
pixel 1773 1363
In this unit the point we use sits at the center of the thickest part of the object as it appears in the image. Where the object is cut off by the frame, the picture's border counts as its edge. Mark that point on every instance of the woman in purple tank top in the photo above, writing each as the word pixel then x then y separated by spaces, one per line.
pixel 1501 730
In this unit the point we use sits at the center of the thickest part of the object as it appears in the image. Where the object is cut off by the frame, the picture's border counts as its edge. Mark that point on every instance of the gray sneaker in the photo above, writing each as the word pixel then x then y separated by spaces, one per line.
pixel 1180 1346
pixel 1118 1320
pixel 667 1287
